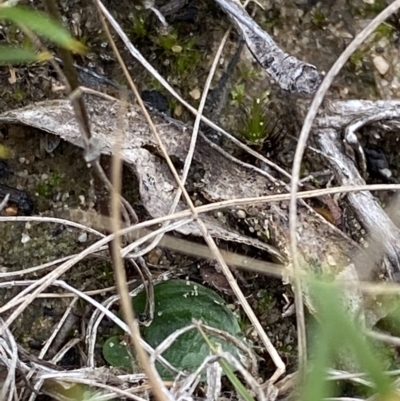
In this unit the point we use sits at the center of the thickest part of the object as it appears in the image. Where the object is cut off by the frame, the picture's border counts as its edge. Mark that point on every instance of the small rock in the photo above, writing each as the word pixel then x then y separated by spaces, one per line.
pixel 241 214
pixel 386 173
pixel 176 48
pixel 153 257
pixel 195 94
pixel 381 65
pixel 83 237
pixel 178 111
pixel 25 238
pixel 11 210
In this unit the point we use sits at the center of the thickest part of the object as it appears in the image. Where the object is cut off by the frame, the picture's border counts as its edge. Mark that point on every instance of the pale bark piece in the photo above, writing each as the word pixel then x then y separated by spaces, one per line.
pixel 157 185
pixel 290 73
pixel 384 236
pixel 322 248
pixel 157 191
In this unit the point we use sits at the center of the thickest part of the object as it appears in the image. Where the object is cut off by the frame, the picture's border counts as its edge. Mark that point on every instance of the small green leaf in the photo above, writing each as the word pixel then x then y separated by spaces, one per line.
pixel 177 303
pixel 12 55
pixel 43 25
pixel 116 354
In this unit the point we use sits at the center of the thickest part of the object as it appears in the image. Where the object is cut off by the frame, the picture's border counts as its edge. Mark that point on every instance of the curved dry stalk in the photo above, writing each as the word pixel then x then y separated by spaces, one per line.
pixel 135 53
pixel 159 389
pixel 42 266
pixel 9 386
pixel 128 250
pixel 189 156
pixel 280 366
pixel 308 122
pixel 56 220
pixel 47 345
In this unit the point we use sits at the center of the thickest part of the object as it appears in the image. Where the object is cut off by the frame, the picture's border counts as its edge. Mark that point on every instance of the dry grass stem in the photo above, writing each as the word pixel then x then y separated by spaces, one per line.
pixel 305 131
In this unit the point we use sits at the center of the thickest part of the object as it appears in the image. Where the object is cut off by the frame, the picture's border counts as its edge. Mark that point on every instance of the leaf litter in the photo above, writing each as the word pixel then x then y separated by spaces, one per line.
pixel 157 186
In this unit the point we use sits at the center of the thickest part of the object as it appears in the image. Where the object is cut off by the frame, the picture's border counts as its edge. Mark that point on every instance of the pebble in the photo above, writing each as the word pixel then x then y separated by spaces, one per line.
pixel 178 111
pixel 381 65
pixel 25 238
pixel 195 93
pixel 176 48
pixel 11 210
pixel 83 237
pixel 241 214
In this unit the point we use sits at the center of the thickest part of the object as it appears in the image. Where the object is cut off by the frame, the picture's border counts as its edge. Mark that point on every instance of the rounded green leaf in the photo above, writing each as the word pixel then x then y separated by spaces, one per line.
pixel 177 303
pixel 116 354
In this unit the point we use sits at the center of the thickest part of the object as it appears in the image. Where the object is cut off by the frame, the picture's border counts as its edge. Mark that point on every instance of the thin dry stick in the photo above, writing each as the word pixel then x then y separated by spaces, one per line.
pixel 47 346
pixel 193 140
pixel 280 366
pixel 75 97
pixel 4 202
pixel 159 389
pixel 43 283
pixel 168 87
pixel 143 108
pixel 120 276
pixel 39 267
pixel 92 383
pixel 56 220
pixel 305 131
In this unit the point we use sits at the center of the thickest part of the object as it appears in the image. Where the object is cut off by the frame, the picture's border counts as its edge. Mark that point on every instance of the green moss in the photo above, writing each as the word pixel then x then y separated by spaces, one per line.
pixel 318 19
pixel 181 53
pixel 238 95
pixel 384 30
pixel 247 73
pixel 138 29
pixel 19 94
pixel 356 61
pixel 167 42
pixel 264 300
pixel 155 84
pixel 255 125
pixel 376 7
pixel 45 189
